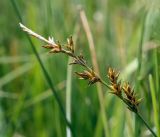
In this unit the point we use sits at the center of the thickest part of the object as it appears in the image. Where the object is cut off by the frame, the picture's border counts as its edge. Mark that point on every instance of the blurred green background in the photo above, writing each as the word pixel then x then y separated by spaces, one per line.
pixel 126 35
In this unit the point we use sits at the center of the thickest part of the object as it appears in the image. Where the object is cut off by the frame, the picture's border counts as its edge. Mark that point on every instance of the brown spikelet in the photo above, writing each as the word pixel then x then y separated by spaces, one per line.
pixel 115 86
pixel 130 95
pixel 112 75
pixel 116 89
pixel 70 44
pixel 90 76
pixel 79 60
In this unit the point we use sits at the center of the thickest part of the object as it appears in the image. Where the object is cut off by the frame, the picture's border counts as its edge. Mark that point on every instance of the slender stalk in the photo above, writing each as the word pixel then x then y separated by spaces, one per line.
pixel 136 112
pixel 49 81
pixel 140 59
pixel 140 117
pixel 68 96
pixel 105 84
pixel 157 80
pixel 69 84
pixel 87 30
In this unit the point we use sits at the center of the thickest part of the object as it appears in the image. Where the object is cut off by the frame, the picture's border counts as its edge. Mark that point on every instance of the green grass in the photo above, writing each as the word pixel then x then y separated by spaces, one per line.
pixel 123 37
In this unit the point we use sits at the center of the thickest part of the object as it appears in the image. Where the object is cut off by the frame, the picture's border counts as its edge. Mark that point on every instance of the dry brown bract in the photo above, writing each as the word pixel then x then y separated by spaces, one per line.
pixel 90 76
pixel 113 75
pixel 131 96
pixel 117 89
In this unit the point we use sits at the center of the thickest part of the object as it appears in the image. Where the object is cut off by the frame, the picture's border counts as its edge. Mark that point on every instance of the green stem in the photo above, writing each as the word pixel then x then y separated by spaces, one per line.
pixel 135 111
pixel 140 117
pixel 104 83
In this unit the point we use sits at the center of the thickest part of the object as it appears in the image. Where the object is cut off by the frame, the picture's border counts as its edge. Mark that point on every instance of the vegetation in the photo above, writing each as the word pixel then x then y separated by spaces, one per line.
pixel 39 93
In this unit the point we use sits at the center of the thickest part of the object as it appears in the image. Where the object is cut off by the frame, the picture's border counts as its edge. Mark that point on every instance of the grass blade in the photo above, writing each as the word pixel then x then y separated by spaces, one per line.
pixel 154 103
pixel 68 96
pixel 15 73
pixel 49 81
pixel 95 65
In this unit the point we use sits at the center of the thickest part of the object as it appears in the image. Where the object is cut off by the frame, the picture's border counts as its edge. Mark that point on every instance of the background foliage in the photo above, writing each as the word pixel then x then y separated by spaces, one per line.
pixel 127 36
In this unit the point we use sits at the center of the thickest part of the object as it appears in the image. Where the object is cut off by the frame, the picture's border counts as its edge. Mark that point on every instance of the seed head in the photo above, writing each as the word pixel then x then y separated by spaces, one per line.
pixel 89 75
pixel 130 94
pixel 54 49
pixel 79 60
pixel 70 44
pixel 116 89
pixel 112 75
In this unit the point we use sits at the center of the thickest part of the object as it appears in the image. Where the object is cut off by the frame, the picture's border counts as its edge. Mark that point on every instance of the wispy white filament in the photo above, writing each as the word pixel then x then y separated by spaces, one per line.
pixel 50 40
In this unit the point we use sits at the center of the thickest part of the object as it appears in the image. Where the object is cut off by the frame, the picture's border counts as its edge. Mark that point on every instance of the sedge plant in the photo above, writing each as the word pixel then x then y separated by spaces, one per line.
pixel 123 91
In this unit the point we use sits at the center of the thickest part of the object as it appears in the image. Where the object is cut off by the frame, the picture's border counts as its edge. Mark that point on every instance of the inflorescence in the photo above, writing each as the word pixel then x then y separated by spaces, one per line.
pixel 123 91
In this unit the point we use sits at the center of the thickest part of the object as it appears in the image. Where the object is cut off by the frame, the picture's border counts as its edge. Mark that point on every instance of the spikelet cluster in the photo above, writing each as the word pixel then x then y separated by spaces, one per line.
pixel 124 92
pixel 117 88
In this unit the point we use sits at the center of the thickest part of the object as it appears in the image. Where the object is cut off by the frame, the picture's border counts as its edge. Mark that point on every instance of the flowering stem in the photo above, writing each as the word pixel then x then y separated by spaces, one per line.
pixel 90 75
pixel 105 84
pixel 135 111
pixel 150 129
